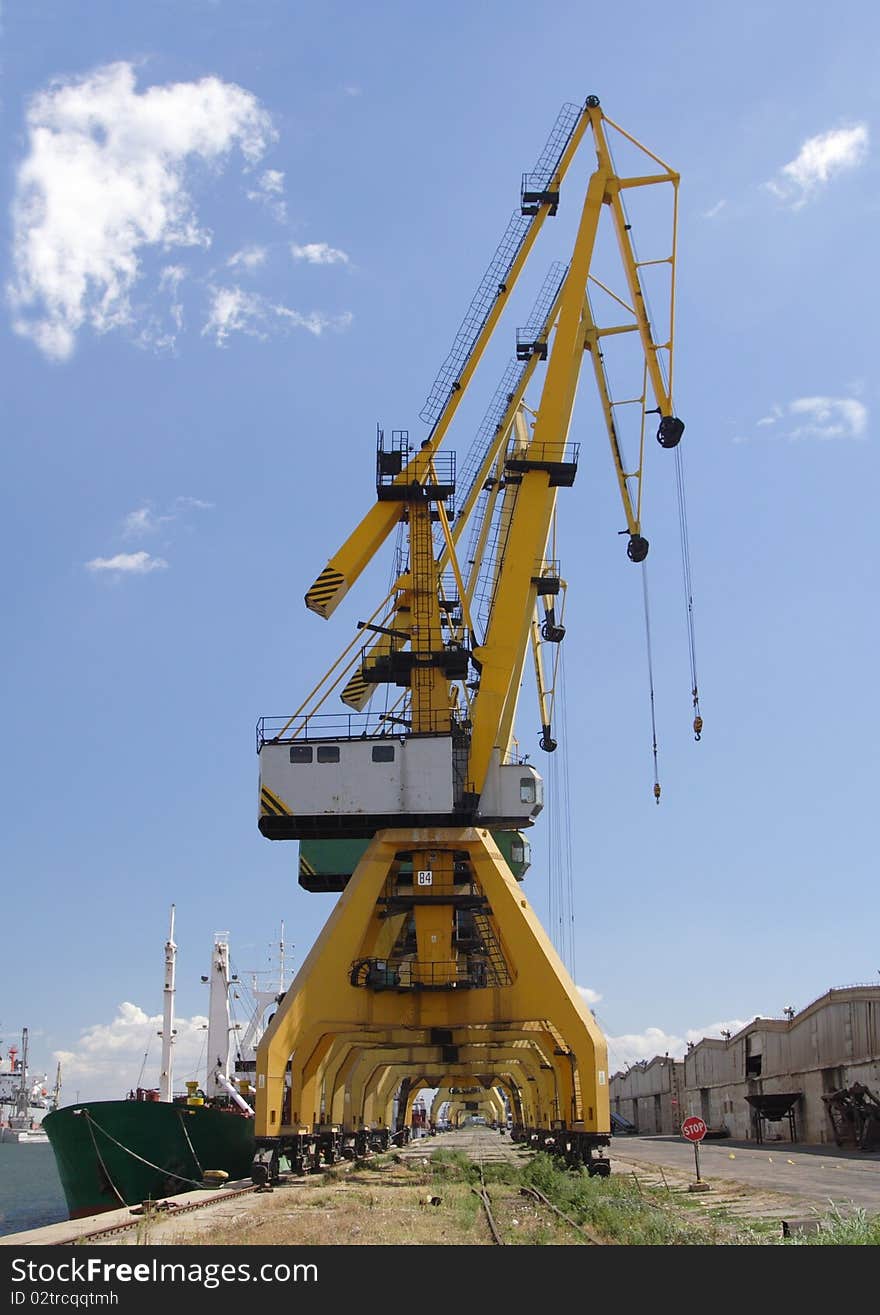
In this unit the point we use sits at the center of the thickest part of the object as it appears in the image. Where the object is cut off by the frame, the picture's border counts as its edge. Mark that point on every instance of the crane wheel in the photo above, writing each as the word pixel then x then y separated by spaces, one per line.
pixel 264 1167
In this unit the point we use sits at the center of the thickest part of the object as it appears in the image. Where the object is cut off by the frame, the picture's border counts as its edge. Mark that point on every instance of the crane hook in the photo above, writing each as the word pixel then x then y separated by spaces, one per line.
pixel 698 728
pixel 657 791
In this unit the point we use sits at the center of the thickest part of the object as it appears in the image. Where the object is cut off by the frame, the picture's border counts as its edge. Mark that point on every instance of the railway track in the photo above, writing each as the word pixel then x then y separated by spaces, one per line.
pixel 174 1209
pixel 156 1210
pixel 483 1150
pixel 590 1236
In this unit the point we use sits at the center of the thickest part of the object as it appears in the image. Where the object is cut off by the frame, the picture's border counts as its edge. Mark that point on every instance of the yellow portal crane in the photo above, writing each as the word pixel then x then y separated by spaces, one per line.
pixel 432 966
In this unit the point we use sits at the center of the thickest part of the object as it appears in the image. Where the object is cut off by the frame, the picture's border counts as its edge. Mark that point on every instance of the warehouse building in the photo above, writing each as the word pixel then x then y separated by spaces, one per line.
pixel 777 1079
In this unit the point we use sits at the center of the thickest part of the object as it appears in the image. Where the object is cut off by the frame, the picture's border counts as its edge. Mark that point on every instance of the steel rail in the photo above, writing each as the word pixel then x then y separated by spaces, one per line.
pixel 593 1238
pixel 152 1213
pixel 490 1218
pixel 157 1210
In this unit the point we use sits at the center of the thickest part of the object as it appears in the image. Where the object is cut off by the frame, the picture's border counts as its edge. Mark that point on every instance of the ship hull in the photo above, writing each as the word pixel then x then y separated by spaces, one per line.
pixel 123 1152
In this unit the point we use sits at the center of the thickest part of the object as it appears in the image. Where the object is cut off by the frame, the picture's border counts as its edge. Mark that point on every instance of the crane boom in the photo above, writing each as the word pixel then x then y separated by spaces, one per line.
pixel 346 565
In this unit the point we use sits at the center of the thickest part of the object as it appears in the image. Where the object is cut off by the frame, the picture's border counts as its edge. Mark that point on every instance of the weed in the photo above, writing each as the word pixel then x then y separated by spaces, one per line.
pixel 855 1228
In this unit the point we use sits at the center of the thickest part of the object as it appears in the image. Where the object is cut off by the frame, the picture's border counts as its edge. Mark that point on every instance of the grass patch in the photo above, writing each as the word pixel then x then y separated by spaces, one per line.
pixel 855 1229
pixel 622 1211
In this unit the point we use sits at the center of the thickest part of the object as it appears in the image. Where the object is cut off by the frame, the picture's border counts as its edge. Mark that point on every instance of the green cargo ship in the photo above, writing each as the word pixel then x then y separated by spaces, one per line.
pixel 154 1144
pixel 112 1153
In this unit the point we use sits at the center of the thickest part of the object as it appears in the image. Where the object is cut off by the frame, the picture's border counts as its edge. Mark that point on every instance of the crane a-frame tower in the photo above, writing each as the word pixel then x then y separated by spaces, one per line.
pixel 433 970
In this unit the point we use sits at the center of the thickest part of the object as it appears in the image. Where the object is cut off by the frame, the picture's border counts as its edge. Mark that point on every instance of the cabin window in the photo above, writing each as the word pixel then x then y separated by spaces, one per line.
pixel 383 753
pixel 328 753
pixel 301 753
pixel 517 853
pixel 526 790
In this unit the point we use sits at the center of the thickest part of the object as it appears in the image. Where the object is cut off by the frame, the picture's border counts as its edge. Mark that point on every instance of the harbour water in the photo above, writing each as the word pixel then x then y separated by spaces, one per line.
pixel 30 1189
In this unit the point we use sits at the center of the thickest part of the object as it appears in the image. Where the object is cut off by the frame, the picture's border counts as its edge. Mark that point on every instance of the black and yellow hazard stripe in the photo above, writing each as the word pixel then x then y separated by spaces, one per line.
pixel 325 588
pixel 306 869
pixel 357 691
pixel 271 805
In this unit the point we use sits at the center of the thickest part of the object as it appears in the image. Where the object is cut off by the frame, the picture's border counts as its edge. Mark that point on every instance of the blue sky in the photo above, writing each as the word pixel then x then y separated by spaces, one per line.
pixel 240 235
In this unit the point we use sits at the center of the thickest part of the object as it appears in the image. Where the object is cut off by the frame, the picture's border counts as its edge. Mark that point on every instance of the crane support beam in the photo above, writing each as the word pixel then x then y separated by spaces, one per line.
pixel 323 1000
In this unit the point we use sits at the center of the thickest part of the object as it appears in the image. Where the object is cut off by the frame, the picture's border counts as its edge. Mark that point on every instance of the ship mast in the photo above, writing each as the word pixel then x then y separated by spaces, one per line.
pixel 22 1101
pixel 218 1017
pixel 167 1033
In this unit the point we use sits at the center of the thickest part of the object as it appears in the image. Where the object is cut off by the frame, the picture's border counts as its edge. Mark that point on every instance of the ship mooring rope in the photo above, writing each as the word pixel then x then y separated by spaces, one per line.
pixel 106 1171
pixel 192 1148
pixel 158 1167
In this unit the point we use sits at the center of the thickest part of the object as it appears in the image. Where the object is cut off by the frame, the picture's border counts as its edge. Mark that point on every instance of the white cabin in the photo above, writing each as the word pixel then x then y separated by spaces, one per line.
pixel 353 787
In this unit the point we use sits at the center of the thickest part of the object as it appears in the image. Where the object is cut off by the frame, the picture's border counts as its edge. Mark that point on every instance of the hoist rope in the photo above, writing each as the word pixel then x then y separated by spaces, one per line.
pixel 553 883
pixel 561 866
pixel 651 680
pixel 568 848
pixel 688 588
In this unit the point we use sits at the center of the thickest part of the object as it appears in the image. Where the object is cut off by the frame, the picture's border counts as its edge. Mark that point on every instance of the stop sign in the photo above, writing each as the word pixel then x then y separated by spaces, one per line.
pixel 693 1128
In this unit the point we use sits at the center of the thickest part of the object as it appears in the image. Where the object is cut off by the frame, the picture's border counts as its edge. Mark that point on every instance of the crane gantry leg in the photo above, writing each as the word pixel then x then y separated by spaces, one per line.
pixel 419 1013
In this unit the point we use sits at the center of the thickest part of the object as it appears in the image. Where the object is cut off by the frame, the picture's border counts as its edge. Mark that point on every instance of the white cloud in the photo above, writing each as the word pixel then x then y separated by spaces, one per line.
pixel 233 310
pixel 775 413
pixel 108 1059
pixel 714 210
pixel 818 161
pixel 249 258
pixel 270 192
pixel 731 1025
pixel 319 253
pixel 169 281
pixel 104 180
pixel 633 1048
pixel 128 563
pixel 815 417
pixel 198 503
pixel 829 417
pixel 592 997
pixel 272 182
pixel 144 520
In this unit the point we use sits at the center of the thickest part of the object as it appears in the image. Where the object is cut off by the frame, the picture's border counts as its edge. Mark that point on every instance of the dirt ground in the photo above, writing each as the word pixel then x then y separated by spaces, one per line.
pixel 396 1200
